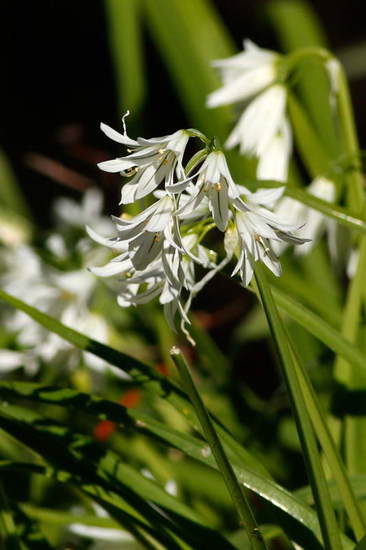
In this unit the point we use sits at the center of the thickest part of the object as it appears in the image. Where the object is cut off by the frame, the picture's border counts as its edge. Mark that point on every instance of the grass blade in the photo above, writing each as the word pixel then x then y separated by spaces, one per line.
pixel 330 450
pixel 238 497
pixel 304 521
pixel 306 434
pixel 193 28
pixel 124 33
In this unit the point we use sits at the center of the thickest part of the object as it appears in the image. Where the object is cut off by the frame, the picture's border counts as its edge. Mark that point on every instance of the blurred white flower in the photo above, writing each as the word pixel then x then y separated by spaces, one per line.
pixel 273 162
pixel 244 75
pixel 263 129
pixel 313 223
pixel 151 161
pixel 65 295
pixel 352 263
pixel 104 538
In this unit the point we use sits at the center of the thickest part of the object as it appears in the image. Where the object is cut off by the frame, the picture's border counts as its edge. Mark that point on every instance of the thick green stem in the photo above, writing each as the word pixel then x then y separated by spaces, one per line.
pixel 327 519
pixel 240 502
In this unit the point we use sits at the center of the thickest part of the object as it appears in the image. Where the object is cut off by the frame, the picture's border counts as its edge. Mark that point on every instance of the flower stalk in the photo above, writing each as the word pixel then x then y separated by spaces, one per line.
pixel 241 504
pixel 327 519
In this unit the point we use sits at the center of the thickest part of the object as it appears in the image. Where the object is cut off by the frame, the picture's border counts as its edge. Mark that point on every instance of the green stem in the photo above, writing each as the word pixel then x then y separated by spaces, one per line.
pixel 352 150
pixel 330 450
pixel 236 493
pixel 353 428
pixel 318 483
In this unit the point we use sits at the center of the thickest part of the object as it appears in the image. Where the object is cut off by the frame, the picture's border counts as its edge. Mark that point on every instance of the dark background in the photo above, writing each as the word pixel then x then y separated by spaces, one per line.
pixel 58 84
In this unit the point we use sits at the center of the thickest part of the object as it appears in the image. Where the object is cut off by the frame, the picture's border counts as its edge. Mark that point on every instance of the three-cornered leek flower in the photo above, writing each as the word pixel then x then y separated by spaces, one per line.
pixel 256 228
pixel 214 182
pixel 150 162
pixel 159 248
pixel 262 130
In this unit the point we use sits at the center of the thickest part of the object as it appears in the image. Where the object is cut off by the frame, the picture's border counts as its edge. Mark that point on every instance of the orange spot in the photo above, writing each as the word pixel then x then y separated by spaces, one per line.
pixel 130 398
pixel 162 368
pixel 104 429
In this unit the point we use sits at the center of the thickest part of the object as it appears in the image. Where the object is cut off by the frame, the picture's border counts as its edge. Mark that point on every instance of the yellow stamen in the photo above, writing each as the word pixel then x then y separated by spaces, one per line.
pixel 131 171
pixel 218 186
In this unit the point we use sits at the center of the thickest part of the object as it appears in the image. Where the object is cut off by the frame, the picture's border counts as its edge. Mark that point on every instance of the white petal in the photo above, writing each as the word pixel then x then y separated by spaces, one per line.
pixel 161 216
pixel 261 120
pixel 219 205
pixel 242 87
pixel 144 249
pixel 266 197
pixel 274 160
pixel 116 136
pixel 116 165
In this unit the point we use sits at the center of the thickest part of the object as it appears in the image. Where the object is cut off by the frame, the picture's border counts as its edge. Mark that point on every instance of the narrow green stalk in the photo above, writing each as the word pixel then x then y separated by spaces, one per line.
pixel 353 428
pixel 240 502
pixel 354 178
pixel 331 453
pixel 327 519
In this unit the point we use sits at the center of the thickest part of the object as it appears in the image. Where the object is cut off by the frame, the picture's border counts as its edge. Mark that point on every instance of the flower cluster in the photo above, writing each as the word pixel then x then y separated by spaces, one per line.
pixel 59 288
pixel 160 248
pixel 263 130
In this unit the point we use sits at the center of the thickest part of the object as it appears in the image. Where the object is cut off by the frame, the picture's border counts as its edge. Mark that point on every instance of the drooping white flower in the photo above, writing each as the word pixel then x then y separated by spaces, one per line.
pixel 150 162
pixel 262 129
pixel 216 184
pixel 313 223
pixel 244 74
pixel 257 228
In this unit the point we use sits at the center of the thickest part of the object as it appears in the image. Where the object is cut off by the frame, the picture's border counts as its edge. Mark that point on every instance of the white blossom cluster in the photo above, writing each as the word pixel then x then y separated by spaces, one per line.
pixel 65 294
pixel 254 80
pixel 160 248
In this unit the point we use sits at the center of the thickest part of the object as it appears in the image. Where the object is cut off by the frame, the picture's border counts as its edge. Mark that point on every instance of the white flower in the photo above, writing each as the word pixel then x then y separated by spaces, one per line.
pixel 273 162
pixel 151 161
pixel 216 184
pixel 256 228
pixel 244 74
pixel 260 121
pixel 263 129
pixel 313 223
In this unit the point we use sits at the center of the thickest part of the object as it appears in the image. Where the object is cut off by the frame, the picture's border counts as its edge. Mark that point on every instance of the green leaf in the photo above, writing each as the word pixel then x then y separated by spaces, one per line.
pixel 151 380
pixel 297 25
pixel 124 34
pixel 320 329
pixel 309 145
pixel 361 545
pixel 8 531
pixel 11 196
pixel 57 517
pixel 327 519
pixel 82 457
pixel 194 28
pixel 305 524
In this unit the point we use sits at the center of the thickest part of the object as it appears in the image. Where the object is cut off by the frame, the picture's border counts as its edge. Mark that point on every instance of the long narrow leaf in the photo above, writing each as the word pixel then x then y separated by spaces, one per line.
pixel 305 524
